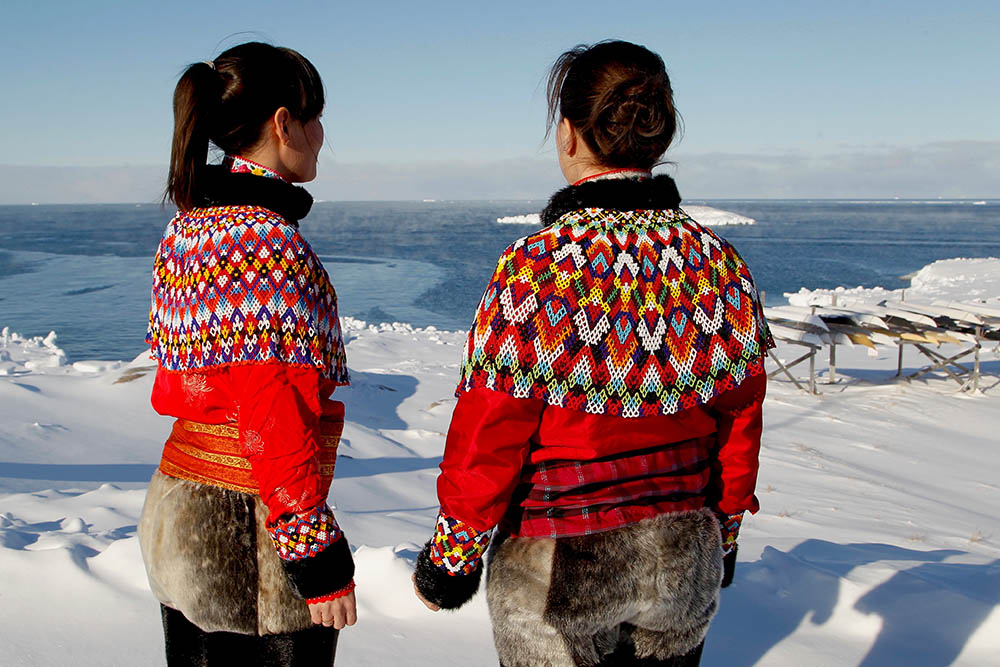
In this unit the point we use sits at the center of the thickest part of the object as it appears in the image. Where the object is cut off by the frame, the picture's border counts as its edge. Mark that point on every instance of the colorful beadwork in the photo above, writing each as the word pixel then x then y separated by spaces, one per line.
pixel 626 313
pixel 730 530
pixel 305 535
pixel 238 284
pixel 456 546
pixel 241 165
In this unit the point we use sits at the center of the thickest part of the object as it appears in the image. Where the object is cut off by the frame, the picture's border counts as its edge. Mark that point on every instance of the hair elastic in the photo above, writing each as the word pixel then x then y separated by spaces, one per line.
pixel 210 63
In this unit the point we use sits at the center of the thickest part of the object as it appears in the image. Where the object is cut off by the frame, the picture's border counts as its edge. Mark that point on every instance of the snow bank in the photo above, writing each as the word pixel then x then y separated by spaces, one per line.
pixel 959 279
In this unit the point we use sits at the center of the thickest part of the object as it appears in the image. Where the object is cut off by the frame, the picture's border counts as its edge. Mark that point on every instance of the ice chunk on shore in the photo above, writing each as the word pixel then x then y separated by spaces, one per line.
pixel 958 279
pixel 37 352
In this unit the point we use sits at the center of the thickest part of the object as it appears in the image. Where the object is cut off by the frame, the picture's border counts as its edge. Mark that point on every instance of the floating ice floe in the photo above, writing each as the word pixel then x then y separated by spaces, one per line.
pixel 716 217
pixel 526 219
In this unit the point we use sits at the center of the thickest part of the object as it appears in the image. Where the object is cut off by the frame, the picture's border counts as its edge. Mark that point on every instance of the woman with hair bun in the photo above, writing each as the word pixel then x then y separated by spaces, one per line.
pixel 239 543
pixel 609 411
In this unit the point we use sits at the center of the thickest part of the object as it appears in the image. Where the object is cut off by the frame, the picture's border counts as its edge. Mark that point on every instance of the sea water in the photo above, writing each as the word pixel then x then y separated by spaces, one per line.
pixel 84 271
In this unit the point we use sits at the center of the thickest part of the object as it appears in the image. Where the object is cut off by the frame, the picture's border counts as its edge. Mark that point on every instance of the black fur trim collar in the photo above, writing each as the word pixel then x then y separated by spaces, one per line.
pixel 620 194
pixel 221 187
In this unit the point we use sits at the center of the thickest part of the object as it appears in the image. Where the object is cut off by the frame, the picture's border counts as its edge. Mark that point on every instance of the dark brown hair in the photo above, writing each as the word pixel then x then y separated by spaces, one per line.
pixel 618 96
pixel 228 101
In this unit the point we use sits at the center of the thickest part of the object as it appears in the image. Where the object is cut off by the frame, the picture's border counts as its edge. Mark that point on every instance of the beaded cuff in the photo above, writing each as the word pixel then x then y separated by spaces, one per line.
pixel 456 546
pixel 334 595
pixel 730 530
pixel 305 535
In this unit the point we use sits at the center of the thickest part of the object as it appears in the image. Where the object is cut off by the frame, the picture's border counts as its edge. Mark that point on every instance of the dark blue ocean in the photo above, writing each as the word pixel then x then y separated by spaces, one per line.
pixel 83 270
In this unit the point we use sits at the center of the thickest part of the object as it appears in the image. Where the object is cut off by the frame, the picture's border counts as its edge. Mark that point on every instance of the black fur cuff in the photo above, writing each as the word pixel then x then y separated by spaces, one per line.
pixel 330 570
pixel 445 590
pixel 729 566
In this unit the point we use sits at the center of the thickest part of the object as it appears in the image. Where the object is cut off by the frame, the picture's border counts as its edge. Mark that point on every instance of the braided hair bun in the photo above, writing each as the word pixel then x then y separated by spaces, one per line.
pixel 618 96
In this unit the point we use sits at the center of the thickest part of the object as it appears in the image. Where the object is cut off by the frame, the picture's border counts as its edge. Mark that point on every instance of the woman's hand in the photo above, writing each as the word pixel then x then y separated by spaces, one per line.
pixel 336 613
pixel 428 604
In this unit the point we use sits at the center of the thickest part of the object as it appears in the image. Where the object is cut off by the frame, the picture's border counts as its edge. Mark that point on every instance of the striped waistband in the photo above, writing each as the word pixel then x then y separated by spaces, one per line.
pixel 564 498
pixel 211 454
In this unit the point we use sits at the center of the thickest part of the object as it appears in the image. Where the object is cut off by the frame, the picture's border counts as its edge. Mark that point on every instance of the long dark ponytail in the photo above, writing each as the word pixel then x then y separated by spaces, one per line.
pixel 227 102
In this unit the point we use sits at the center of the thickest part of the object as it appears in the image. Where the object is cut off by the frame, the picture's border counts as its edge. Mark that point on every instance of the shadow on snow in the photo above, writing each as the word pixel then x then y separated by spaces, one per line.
pixel 928 611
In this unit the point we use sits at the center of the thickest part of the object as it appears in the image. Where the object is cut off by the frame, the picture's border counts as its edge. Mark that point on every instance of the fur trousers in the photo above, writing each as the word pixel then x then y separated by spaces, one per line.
pixel 648 591
pixel 208 555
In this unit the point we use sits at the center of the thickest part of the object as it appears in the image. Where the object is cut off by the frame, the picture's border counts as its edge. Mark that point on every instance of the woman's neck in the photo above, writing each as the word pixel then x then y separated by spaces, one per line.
pixel 602 173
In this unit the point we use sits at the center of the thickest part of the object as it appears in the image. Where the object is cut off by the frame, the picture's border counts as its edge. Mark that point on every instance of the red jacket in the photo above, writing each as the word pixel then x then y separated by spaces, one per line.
pixel 277 409
pixel 495 438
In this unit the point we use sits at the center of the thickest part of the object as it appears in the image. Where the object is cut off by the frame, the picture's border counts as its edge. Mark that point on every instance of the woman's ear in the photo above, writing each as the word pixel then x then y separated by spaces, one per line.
pixel 566 135
pixel 279 125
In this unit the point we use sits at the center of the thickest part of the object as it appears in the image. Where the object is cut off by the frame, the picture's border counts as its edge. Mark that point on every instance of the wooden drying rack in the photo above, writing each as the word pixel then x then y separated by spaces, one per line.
pixel 890 323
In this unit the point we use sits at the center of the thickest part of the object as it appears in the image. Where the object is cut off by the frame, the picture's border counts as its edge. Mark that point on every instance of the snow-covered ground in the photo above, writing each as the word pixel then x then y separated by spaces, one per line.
pixel 878 541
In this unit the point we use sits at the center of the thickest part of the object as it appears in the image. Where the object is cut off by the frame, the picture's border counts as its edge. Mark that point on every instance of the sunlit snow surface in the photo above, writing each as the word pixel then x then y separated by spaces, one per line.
pixel 878 541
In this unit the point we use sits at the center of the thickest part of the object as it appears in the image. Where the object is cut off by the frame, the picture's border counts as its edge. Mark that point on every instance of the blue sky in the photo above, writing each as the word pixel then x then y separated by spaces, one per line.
pixel 423 97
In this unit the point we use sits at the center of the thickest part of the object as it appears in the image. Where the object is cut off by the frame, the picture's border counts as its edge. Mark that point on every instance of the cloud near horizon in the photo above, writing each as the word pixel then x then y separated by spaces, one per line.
pixel 957 169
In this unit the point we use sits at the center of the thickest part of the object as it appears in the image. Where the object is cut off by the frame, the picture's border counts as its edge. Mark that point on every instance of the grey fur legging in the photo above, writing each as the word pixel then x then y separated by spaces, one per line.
pixel 643 594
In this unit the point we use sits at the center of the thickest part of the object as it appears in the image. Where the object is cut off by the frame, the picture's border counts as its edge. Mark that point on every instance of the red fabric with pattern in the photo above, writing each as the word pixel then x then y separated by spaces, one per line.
pixel 609 465
pixel 277 408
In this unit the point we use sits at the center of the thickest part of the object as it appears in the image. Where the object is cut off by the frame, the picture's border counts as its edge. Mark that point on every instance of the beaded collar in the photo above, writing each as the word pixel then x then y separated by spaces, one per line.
pixel 241 165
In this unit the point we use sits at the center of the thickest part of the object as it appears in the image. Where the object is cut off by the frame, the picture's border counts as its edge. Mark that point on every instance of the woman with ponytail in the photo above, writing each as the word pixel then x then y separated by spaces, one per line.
pixel 240 546
pixel 609 412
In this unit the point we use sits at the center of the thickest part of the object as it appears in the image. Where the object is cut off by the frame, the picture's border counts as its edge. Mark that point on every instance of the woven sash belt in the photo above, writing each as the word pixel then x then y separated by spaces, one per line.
pixel 210 454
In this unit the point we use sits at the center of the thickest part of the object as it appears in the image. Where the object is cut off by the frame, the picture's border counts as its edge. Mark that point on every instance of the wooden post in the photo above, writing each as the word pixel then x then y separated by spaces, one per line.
pixel 833 363
pixel 899 366
pixel 975 365
pixel 833 350
pixel 812 372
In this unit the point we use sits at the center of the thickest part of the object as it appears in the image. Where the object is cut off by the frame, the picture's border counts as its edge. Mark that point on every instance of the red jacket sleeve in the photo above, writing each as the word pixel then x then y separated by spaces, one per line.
pixel 487 444
pixel 739 419
pixel 279 413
